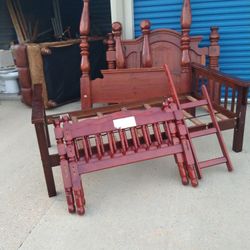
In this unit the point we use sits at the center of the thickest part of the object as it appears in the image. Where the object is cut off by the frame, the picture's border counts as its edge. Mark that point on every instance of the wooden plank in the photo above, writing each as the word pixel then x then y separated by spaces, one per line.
pixel 192 119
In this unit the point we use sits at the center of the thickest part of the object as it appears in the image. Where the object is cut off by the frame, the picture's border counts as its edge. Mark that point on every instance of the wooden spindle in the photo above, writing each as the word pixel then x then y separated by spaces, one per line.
pixel 85 65
pixel 110 54
pixel 134 139
pixel 146 51
pixel 123 144
pixel 89 147
pixel 214 48
pixel 119 55
pixel 233 100
pixel 186 20
pixel 114 141
pixel 110 142
pixel 125 139
pixel 98 147
pixel 157 134
pixel 167 132
pixel 146 136
pixel 226 97
pixel 102 145
pixel 85 149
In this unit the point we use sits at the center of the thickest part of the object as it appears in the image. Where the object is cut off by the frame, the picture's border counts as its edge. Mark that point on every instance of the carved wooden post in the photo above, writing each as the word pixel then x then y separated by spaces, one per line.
pixel 186 20
pixel 75 177
pixel 214 48
pixel 64 166
pixel 146 51
pixel 110 54
pixel 179 157
pixel 214 52
pixel 85 65
pixel 120 59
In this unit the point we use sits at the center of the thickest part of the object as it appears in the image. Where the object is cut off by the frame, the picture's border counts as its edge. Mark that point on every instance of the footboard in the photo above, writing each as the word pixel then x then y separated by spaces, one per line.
pixel 228 95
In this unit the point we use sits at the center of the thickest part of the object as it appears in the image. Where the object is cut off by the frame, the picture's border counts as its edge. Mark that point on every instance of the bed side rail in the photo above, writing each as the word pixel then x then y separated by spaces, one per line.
pixel 229 92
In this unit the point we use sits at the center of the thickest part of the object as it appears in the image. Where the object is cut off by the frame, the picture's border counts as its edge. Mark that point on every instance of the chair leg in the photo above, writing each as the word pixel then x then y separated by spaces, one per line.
pixel 47 169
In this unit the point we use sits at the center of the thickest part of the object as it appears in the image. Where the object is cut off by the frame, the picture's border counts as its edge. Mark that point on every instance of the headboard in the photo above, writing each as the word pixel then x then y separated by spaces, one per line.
pixel 132 63
pixel 151 49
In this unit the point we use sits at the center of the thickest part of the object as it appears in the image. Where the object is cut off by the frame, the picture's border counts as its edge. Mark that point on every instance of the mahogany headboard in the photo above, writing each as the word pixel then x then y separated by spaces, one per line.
pixel 151 49
pixel 135 66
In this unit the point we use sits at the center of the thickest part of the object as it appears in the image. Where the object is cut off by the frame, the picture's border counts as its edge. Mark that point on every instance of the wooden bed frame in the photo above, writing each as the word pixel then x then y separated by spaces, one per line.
pixel 135 76
pixel 129 136
pixel 135 70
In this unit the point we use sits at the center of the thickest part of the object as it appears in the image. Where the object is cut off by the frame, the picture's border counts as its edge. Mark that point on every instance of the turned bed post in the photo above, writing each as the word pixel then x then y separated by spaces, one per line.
pixel 110 54
pixel 119 55
pixel 146 51
pixel 186 20
pixel 213 54
pixel 85 65
pixel 214 48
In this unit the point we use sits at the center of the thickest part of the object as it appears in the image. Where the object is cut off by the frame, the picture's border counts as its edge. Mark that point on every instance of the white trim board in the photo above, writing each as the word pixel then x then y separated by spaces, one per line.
pixel 123 11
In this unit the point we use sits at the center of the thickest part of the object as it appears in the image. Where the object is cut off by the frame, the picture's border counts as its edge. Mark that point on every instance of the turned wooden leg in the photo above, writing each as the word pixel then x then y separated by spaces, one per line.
pixel 77 189
pixel 179 159
pixel 44 153
pixel 79 199
pixel 192 175
pixel 70 200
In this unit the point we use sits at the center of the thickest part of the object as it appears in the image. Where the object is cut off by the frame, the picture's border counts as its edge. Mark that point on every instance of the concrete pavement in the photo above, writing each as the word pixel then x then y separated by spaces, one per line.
pixel 140 206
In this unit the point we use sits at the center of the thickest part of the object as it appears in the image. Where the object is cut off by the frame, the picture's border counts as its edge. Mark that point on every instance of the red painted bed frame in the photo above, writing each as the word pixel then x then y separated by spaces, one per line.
pixel 135 73
pixel 135 70
pixel 154 132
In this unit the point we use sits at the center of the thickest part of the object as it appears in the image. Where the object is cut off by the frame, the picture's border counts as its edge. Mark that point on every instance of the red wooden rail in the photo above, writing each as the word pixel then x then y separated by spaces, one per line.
pixel 121 138
pixel 130 136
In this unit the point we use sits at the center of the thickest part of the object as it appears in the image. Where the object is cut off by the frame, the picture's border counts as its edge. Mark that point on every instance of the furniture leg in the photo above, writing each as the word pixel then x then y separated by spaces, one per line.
pixel 240 126
pixel 47 132
pixel 70 200
pixel 179 159
pixel 44 153
pixel 77 189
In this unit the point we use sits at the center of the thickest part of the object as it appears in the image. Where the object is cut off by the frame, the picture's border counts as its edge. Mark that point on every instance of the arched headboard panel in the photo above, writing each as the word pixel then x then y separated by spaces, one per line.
pixel 135 66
